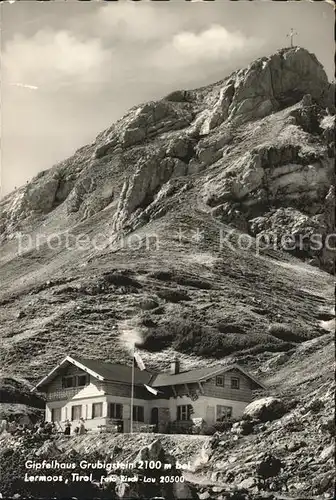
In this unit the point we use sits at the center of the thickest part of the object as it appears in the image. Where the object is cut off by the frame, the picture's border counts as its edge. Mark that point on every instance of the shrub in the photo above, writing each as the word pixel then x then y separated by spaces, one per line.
pixel 230 328
pixel 247 427
pixel 286 332
pixel 180 333
pixel 157 339
pixel 162 275
pixel 270 347
pixel 121 279
pixel 158 310
pixel 148 322
pixel 148 304
pixel 226 424
pixel 208 430
pixel 193 282
pixel 181 279
pixel 173 295
pixel 188 336
pixel 178 427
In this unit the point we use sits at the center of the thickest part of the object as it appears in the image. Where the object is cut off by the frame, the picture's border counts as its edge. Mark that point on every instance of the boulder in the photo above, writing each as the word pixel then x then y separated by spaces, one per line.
pixel 327 453
pixel 47 449
pixel 204 496
pixel 182 491
pixel 125 491
pixel 153 451
pixel 265 409
pixel 247 483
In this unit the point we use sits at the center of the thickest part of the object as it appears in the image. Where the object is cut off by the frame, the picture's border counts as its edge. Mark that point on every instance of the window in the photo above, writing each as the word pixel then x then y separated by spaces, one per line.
pixel 138 413
pixel 97 410
pixel 223 412
pixel 76 412
pixel 68 382
pixel 74 381
pixel 220 380
pixel 184 412
pixel 82 380
pixel 235 383
pixel 115 411
pixel 56 414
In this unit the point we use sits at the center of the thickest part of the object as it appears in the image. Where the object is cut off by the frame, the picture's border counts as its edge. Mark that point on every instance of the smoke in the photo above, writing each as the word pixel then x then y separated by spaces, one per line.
pixel 130 336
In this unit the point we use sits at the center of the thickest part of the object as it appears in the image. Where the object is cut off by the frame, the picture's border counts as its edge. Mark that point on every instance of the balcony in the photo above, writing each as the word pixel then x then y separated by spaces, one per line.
pixel 63 394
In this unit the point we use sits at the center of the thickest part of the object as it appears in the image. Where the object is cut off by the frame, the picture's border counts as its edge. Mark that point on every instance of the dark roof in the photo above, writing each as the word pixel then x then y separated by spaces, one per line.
pixel 116 372
pixel 120 373
pixel 163 379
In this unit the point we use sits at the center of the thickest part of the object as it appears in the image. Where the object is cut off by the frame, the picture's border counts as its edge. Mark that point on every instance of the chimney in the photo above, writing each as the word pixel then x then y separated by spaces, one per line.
pixel 175 366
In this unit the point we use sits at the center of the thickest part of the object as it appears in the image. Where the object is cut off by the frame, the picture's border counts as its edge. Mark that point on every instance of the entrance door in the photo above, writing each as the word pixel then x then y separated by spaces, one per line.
pixel 155 416
pixel 76 412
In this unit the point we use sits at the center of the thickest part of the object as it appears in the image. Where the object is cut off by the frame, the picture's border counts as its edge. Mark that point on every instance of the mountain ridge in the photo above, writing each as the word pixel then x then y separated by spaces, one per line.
pixel 167 231
pixel 173 187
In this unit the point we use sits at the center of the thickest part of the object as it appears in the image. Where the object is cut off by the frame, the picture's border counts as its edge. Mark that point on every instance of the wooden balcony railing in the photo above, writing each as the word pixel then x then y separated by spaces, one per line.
pixel 62 394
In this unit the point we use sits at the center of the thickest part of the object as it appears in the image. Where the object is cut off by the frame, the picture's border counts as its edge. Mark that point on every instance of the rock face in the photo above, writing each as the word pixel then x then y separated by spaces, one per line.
pixel 279 81
pixel 257 146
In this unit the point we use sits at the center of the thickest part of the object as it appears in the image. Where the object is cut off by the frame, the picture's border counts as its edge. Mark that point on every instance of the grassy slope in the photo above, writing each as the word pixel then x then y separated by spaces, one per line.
pixel 67 315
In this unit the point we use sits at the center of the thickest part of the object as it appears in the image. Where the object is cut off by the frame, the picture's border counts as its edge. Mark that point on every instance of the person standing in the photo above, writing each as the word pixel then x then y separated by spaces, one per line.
pixel 81 426
pixel 67 428
pixel 4 425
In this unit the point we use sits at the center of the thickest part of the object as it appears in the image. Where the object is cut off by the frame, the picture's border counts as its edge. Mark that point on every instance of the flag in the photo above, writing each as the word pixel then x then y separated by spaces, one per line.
pixel 150 389
pixel 139 361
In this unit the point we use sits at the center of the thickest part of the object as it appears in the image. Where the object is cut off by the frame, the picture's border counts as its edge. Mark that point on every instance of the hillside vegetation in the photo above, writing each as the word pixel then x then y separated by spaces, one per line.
pixel 199 225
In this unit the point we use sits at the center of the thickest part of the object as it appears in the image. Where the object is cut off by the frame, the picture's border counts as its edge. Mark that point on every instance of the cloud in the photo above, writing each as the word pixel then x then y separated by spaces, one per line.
pixel 212 45
pixel 130 22
pixel 53 57
pixel 82 73
pixel 120 42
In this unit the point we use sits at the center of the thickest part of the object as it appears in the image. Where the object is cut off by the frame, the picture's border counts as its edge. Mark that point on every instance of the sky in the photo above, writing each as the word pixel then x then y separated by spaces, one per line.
pixel 70 69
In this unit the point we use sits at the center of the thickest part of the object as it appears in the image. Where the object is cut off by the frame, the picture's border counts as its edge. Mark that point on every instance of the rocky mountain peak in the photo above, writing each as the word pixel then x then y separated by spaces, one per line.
pixel 257 140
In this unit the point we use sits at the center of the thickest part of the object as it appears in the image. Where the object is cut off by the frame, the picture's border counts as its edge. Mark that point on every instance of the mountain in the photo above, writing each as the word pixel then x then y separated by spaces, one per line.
pixel 201 224
pixel 169 225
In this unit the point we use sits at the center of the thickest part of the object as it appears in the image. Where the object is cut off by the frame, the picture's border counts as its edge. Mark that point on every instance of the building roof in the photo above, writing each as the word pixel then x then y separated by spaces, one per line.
pixel 200 375
pixel 114 372
pixel 111 372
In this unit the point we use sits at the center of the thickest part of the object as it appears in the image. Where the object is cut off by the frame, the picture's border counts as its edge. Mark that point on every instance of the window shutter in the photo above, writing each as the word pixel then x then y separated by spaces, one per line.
pixel 127 411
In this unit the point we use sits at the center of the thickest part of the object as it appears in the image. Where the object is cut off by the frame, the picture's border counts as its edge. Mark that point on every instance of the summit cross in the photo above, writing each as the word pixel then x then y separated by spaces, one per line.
pixel 291 35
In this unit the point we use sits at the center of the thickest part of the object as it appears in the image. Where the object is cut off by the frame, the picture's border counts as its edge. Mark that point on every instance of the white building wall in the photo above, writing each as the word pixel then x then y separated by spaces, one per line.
pixel 91 390
pixel 48 412
pixel 92 423
pixel 200 406
pixel 66 405
pixel 204 407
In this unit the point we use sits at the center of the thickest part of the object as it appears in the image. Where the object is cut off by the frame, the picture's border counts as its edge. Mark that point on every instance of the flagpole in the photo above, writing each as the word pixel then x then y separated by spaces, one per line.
pixel 132 390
